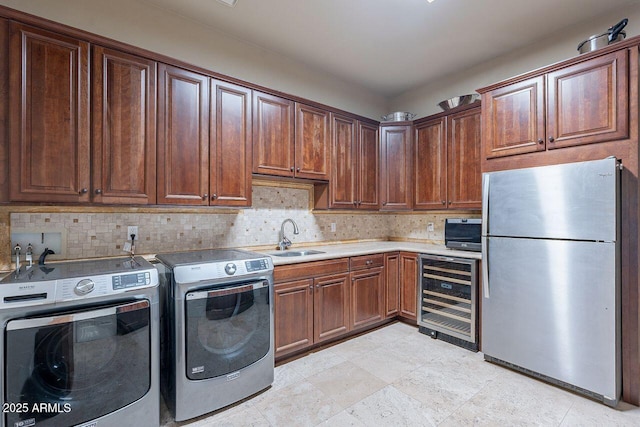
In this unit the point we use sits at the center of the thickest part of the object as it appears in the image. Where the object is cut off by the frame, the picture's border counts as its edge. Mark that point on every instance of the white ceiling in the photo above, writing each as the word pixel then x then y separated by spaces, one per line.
pixel 391 46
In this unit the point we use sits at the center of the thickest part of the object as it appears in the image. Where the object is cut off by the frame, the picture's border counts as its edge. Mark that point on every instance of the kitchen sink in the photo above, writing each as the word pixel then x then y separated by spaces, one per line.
pixel 296 253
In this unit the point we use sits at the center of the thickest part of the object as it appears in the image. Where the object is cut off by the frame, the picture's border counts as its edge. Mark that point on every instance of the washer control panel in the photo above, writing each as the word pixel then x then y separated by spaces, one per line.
pixel 230 269
pixel 125 281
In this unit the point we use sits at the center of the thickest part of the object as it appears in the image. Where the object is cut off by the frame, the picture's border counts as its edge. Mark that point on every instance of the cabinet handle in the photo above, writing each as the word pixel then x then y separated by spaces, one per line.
pixel 98 191
pixel 541 141
pixel 551 139
pixel 83 191
pixel 291 168
pixel 205 196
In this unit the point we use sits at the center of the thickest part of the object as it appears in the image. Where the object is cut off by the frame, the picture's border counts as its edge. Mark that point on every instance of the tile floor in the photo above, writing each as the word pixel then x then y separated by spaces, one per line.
pixel 396 376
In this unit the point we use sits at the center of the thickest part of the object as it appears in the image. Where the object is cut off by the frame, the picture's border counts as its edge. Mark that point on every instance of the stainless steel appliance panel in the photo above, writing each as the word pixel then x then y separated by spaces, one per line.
pixel 574 201
pixel 562 318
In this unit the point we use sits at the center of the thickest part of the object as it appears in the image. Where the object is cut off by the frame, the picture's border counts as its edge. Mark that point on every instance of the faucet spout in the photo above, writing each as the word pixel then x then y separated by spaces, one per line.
pixel 284 242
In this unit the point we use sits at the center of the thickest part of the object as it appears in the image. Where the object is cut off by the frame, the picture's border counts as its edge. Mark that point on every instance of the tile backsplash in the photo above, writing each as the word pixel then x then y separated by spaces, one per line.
pixel 101 234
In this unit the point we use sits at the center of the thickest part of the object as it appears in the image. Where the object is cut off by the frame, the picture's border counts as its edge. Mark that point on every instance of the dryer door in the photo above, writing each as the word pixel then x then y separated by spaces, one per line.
pixel 77 366
pixel 227 328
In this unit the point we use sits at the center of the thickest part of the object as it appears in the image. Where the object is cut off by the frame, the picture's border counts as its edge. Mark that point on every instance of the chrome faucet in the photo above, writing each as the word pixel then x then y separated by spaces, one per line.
pixel 29 255
pixel 17 250
pixel 284 242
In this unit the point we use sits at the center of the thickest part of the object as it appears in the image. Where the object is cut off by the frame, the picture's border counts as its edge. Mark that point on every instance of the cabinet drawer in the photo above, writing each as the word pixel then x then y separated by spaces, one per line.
pixel 303 270
pixel 367 261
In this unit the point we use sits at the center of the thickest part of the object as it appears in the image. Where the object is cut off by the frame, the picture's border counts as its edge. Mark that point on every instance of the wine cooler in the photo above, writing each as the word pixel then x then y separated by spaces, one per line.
pixel 447 300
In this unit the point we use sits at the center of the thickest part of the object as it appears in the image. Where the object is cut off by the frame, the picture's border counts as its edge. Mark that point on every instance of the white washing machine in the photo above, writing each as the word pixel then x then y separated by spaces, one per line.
pixel 218 329
pixel 80 344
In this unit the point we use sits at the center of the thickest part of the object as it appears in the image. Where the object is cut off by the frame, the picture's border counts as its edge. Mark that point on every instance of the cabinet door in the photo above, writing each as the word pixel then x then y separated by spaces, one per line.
pixel 368 178
pixel 331 307
pixel 396 153
pixel 230 149
pixel 183 136
pixel 273 148
pixel 124 128
pixel 392 284
pixel 4 111
pixel 293 316
pixel 430 169
pixel 588 102
pixel 513 118
pixel 464 180
pixel 408 285
pixel 343 172
pixel 49 116
pixel 312 146
pixel 367 297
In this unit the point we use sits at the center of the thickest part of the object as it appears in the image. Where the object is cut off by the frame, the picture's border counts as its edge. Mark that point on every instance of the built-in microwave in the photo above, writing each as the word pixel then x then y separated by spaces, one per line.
pixel 463 233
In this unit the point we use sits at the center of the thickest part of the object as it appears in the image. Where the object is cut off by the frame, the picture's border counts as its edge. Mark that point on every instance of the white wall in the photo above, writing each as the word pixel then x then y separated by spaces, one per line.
pixel 423 101
pixel 140 24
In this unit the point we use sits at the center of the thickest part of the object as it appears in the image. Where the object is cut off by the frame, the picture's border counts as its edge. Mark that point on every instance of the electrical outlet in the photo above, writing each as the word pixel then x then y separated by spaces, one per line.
pixel 430 226
pixel 132 229
pixel 333 227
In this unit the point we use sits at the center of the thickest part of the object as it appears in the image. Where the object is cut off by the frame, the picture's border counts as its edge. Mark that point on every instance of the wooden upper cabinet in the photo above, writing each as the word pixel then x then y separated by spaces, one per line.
pixel 344 174
pixel 183 136
pixel 396 172
pixel 583 103
pixel 231 145
pixel 513 119
pixel 368 166
pixel 464 175
pixel 49 116
pixel 124 128
pixel 588 102
pixel 273 138
pixel 355 165
pixel 430 165
pixel 312 148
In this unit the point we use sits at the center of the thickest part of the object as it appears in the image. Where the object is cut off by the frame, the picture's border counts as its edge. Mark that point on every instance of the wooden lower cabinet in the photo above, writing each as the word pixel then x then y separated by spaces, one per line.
pixel 367 297
pixel 408 286
pixel 293 307
pixel 311 304
pixel 330 307
pixel 392 284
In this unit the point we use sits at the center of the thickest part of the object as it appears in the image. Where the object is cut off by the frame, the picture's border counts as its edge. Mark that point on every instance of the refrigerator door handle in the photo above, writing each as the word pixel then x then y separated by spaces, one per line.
pixel 485 266
pixel 485 203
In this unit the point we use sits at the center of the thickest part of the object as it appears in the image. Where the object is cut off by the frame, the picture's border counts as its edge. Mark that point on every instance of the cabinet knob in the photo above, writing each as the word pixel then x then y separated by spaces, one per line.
pixel 205 196
pixel 369 262
pixel 444 202
pixel 449 201
pixel 317 286
pixel 541 141
pixel 297 169
pixel 355 203
pixel 359 202
pixel 98 191
pixel 551 139
pixel 291 168
pixel 214 196
pixel 83 191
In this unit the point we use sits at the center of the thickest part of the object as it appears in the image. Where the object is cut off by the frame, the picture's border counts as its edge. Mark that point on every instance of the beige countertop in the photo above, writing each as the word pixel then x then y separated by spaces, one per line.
pixel 366 248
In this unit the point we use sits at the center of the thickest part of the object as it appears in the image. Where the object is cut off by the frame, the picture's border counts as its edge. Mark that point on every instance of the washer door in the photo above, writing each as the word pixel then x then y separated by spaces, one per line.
pixel 227 328
pixel 77 366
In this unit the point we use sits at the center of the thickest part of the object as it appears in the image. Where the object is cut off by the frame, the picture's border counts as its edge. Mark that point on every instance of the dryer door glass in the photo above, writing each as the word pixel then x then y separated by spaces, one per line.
pixel 77 366
pixel 227 328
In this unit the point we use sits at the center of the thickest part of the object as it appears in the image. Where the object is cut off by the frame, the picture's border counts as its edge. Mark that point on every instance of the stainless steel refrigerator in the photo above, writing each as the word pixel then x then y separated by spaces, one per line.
pixel 551 274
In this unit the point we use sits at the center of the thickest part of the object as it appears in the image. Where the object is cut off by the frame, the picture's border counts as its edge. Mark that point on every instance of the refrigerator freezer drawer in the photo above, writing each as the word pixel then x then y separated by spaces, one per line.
pixel 553 308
